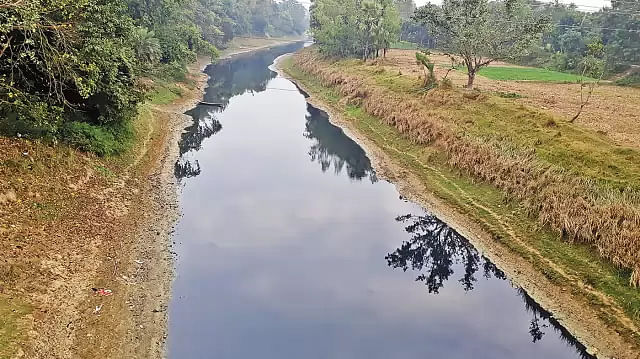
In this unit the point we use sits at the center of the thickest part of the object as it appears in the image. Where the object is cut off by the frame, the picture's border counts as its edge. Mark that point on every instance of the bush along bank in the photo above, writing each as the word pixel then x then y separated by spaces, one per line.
pixel 567 182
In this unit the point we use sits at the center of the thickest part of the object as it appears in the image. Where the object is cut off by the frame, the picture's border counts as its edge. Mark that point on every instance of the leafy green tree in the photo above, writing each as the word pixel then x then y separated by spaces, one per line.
pixel 68 68
pixel 354 27
pixel 146 46
pixel 387 29
pixel 65 61
pixel 333 25
pixel 481 32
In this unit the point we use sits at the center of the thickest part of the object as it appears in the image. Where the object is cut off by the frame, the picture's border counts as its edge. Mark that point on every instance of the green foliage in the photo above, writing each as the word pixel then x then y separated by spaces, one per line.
pixel 101 140
pixel 563 46
pixel 353 27
pixel 593 63
pixel 65 61
pixel 632 80
pixel 481 32
pixel 430 80
pixel 146 46
pixel 69 68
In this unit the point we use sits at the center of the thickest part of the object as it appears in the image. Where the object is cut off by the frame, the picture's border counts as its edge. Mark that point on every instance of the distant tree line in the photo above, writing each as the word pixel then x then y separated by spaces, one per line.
pixel 553 35
pixel 359 28
pixel 70 69
pixel 562 47
pixel 563 44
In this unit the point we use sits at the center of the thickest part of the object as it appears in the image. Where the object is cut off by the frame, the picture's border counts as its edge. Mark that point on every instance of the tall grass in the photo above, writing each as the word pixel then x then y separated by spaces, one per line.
pixel 581 209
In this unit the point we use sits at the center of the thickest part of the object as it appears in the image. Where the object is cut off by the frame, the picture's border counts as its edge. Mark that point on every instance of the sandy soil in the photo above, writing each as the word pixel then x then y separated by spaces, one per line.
pixel 614 110
pixel 71 223
pixel 571 311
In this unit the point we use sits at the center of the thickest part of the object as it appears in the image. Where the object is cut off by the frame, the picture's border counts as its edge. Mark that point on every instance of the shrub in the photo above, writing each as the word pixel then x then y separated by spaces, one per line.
pixel 101 140
pixel 446 84
pixel 632 80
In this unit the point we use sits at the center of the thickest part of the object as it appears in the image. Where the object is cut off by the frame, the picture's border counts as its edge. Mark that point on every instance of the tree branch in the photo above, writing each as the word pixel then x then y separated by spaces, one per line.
pixel 5 46
pixel 11 5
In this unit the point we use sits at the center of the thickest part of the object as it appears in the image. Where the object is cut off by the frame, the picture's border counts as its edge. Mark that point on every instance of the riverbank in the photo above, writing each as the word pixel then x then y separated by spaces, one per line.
pixel 87 264
pixel 586 294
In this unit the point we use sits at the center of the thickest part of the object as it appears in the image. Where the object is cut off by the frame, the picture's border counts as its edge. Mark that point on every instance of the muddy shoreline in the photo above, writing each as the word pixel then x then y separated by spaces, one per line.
pixel 582 322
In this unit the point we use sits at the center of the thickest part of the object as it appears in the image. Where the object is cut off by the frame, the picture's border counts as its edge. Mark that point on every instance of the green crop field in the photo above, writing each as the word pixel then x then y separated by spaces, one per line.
pixel 507 73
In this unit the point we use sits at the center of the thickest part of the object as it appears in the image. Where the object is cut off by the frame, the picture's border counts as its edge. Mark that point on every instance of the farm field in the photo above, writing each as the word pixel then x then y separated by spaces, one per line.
pixel 519 73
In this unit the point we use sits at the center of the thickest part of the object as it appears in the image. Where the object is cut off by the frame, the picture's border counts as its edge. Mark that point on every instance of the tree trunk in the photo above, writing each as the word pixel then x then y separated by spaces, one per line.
pixel 471 76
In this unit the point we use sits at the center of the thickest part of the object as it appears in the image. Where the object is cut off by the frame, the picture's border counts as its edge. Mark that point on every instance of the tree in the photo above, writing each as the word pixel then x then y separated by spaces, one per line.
pixel 388 28
pixel 146 46
pixel 430 80
pixel 69 69
pixel 481 32
pixel 354 27
pixel 593 66
pixel 405 9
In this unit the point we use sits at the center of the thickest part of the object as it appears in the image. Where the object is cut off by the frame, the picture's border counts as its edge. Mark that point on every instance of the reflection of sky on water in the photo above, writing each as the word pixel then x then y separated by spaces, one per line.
pixel 281 251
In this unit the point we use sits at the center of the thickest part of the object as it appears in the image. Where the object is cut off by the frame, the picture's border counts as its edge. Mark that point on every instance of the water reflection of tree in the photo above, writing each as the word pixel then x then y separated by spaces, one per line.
pixel 331 147
pixel 535 327
pixel 227 79
pixel 192 137
pixel 191 140
pixel 243 73
pixel 433 250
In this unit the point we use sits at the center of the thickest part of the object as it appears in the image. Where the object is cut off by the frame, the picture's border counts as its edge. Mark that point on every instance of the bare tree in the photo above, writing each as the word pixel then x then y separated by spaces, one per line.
pixel 593 65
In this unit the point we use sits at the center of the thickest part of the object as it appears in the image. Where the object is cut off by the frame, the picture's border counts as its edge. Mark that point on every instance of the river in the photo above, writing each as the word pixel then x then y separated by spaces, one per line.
pixel 289 246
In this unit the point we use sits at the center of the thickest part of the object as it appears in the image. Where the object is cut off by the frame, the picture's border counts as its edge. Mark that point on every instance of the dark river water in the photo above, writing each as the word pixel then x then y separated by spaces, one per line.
pixel 290 247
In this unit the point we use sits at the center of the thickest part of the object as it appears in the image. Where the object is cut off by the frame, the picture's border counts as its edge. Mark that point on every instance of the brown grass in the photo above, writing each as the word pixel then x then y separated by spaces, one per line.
pixel 579 208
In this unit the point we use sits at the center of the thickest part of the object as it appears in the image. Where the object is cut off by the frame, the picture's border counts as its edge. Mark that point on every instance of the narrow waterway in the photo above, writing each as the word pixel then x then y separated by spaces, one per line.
pixel 290 247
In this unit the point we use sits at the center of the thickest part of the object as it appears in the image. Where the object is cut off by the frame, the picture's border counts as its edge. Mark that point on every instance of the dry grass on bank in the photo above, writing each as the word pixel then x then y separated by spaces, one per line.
pixel 574 180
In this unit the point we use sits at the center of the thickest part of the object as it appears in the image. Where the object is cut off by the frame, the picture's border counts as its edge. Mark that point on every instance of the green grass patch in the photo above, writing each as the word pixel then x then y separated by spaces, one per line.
pixel 11 311
pixel 103 140
pixel 508 73
pixel 461 192
pixel 104 171
pixel 164 94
